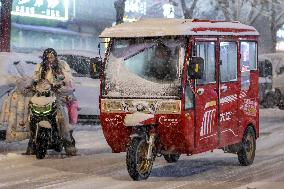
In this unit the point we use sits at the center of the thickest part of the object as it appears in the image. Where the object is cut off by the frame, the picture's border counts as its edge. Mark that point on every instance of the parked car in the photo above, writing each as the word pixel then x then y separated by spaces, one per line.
pixel 12 67
pixel 266 94
pixel 87 83
pixel 277 60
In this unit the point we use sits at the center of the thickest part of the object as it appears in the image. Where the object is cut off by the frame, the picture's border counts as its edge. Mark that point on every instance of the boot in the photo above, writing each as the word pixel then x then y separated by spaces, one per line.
pixel 72 138
pixel 70 149
pixel 31 148
pixel 69 146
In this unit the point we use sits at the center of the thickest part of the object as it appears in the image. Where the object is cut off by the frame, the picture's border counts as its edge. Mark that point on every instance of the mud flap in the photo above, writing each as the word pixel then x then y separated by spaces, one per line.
pixel 14 116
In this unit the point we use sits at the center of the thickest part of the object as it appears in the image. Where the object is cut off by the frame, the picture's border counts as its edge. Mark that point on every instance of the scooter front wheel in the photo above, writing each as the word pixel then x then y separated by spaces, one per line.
pixel 138 166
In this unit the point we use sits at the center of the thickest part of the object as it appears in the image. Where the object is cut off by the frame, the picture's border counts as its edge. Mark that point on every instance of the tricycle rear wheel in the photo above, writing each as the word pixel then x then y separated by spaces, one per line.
pixel 138 166
pixel 248 146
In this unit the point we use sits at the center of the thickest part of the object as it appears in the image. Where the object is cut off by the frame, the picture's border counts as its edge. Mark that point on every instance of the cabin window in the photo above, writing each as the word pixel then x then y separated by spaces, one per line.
pixel 248 62
pixel 248 55
pixel 206 50
pixel 188 97
pixel 228 61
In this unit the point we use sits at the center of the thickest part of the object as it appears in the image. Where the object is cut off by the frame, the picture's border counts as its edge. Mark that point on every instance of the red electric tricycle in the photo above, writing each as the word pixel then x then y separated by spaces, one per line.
pixel 179 86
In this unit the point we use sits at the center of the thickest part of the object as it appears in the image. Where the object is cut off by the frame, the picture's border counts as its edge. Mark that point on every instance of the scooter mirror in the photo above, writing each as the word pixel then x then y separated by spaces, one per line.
pixel 60 77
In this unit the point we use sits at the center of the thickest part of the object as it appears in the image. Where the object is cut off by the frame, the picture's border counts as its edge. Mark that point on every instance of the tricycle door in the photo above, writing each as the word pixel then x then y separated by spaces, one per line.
pixel 229 90
pixel 206 98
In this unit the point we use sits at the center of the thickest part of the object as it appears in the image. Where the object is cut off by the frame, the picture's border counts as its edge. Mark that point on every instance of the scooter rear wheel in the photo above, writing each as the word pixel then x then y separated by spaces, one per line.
pixel 138 166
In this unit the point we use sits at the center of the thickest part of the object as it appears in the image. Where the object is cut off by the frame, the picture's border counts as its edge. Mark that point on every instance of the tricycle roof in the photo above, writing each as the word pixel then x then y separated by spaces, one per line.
pixel 177 27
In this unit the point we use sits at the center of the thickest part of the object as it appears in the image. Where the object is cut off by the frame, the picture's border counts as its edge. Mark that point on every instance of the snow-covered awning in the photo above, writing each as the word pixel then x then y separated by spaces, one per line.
pixel 173 27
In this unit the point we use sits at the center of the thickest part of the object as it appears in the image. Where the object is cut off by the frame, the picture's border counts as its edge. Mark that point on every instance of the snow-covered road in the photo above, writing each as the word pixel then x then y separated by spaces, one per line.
pixel 97 167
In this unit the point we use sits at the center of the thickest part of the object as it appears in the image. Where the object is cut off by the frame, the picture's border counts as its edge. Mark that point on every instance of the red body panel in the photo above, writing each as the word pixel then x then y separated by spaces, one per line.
pixel 229 113
pixel 116 134
pixel 171 132
pixel 249 106
pixel 206 125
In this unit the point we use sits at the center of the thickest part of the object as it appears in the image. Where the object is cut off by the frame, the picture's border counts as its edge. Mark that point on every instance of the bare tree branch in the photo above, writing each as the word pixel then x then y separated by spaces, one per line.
pixel 280 19
pixel 188 12
pixel 191 9
pixel 224 7
pixel 254 14
pixel 119 6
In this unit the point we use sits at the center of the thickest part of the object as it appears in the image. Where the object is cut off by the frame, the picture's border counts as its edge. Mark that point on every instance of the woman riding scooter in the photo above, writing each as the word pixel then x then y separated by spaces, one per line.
pixel 52 69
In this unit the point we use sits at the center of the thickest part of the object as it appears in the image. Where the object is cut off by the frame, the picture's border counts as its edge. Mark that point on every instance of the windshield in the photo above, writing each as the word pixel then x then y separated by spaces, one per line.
pixel 144 68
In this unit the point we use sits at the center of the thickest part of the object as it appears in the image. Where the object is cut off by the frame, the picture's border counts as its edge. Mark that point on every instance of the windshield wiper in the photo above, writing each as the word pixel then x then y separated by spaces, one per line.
pixel 138 52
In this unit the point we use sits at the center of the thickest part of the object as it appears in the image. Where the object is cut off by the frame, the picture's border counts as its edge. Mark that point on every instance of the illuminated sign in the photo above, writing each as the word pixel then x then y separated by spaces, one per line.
pixel 47 9
pixel 137 9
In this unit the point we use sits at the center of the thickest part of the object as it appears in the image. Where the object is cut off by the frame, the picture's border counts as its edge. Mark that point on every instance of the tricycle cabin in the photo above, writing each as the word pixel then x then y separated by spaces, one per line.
pixel 178 86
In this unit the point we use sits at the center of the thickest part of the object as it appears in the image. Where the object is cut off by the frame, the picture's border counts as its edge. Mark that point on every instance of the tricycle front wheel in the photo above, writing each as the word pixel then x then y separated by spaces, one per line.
pixel 138 166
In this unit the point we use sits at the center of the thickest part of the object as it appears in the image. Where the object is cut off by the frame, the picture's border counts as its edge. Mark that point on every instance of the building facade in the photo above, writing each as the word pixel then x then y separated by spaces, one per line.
pixel 62 24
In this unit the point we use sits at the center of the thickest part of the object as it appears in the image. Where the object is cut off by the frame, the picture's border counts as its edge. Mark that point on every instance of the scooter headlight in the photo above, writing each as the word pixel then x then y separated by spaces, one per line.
pixel 41 110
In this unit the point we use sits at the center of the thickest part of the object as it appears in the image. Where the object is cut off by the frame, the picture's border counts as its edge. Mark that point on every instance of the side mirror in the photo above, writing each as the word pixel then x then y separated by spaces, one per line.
pixel 195 68
pixel 95 67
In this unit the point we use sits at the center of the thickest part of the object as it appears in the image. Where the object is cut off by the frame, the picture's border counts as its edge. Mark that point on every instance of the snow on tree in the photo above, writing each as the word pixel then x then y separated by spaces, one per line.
pixel 245 11
pixel 276 17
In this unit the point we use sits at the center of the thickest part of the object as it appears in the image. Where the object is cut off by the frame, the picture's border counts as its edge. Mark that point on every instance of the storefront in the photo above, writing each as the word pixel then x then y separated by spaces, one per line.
pixel 62 24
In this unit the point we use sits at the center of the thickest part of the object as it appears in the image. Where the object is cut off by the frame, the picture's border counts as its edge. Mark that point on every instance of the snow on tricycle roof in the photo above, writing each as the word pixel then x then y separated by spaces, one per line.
pixel 178 27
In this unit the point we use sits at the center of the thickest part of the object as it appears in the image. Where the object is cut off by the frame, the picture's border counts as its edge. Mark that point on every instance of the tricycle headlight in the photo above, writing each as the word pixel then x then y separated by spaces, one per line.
pixel 170 107
pixel 111 106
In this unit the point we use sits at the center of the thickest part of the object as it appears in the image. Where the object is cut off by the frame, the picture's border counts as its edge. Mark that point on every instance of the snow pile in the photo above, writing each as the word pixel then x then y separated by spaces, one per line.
pixel 136 118
pixel 173 27
pixel 16 65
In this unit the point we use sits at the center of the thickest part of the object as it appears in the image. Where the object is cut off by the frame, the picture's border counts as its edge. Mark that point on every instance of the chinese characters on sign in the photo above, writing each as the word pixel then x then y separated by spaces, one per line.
pixel 47 9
